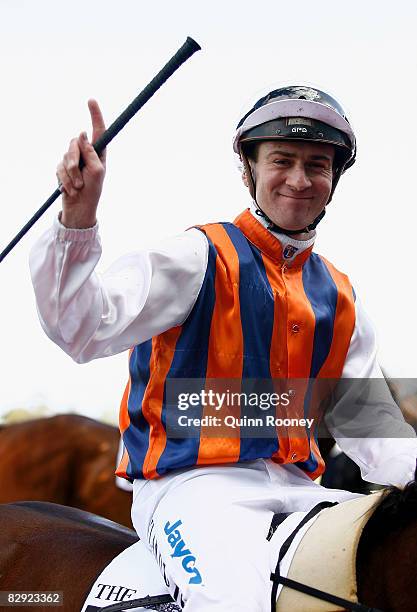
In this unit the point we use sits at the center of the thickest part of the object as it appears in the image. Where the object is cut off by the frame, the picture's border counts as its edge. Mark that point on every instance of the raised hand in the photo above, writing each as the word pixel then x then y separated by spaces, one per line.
pixel 81 189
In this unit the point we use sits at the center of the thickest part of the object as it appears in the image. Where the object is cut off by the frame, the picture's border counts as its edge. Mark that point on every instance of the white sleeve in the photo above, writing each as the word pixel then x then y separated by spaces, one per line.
pixel 142 294
pixel 385 448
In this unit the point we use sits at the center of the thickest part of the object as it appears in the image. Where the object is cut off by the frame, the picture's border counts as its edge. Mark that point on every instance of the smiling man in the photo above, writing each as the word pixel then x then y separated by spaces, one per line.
pixel 240 301
pixel 293 181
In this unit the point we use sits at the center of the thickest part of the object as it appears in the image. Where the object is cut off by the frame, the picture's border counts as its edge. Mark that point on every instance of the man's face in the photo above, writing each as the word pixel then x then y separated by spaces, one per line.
pixel 293 181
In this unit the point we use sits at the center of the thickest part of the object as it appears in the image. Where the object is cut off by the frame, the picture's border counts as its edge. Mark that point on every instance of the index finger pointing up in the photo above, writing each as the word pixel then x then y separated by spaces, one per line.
pixel 96 120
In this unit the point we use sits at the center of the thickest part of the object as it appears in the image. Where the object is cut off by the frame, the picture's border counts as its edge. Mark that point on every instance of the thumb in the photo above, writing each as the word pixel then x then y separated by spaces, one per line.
pixel 88 153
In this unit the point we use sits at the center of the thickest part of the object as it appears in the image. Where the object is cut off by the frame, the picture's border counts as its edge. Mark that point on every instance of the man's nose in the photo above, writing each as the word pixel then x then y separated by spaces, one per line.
pixel 297 179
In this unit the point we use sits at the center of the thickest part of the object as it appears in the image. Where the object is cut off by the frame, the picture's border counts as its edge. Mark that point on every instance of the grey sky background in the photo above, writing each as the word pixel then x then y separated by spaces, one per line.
pixel 173 166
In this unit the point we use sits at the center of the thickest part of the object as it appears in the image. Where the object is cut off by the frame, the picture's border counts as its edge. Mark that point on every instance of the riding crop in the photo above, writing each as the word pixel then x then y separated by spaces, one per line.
pixel 185 52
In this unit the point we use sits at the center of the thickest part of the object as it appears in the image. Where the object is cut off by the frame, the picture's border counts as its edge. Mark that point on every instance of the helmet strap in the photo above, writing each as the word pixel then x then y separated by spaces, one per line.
pixel 276 228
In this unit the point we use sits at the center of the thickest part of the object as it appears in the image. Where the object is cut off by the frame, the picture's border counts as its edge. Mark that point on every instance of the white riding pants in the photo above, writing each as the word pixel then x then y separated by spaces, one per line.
pixel 208 527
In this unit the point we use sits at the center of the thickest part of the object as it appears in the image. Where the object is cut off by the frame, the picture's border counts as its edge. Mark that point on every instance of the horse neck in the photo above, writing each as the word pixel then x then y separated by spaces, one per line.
pixel 386 561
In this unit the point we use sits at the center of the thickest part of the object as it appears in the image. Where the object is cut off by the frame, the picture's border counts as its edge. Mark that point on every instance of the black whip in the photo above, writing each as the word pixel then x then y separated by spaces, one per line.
pixel 185 52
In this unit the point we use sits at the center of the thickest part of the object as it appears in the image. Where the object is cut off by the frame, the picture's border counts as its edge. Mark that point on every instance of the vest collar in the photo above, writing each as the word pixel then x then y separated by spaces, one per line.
pixel 270 244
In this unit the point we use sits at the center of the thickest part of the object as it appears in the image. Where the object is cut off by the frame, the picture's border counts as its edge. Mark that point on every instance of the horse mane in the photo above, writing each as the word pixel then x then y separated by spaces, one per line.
pixel 396 509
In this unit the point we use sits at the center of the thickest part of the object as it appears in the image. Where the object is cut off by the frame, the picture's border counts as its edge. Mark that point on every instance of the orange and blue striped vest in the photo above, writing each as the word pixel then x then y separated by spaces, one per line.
pixel 256 317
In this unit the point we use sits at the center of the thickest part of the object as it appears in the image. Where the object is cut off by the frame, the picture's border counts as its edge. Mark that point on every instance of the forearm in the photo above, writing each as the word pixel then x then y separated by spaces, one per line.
pixel 365 421
pixel 68 293
pixel 369 427
pixel 385 461
pixel 142 294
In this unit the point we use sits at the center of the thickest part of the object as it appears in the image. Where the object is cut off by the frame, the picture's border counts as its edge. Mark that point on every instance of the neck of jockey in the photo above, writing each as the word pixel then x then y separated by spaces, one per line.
pixel 291 246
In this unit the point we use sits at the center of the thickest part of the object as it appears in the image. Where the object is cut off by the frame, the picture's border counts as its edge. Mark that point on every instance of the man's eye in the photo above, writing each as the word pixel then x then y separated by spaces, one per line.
pixel 281 162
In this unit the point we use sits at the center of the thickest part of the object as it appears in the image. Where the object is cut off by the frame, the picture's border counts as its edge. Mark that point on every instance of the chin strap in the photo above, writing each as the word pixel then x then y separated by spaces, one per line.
pixel 276 228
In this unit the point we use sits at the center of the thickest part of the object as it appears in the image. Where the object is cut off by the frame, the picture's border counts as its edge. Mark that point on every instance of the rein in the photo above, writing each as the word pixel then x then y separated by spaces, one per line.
pixel 304 588
pixel 144 602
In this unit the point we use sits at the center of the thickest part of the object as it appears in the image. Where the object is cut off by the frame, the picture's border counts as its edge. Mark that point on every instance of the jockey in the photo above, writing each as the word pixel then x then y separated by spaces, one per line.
pixel 240 301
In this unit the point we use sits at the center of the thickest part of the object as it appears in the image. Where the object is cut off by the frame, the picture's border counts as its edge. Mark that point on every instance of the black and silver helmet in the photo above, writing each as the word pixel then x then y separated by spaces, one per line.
pixel 297 113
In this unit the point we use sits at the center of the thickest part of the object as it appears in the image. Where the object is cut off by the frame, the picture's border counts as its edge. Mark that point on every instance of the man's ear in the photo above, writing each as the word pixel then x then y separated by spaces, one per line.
pixel 245 170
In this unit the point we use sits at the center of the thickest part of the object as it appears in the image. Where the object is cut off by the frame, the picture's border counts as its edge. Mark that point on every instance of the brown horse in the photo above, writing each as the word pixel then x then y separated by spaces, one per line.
pixel 48 547
pixel 67 459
